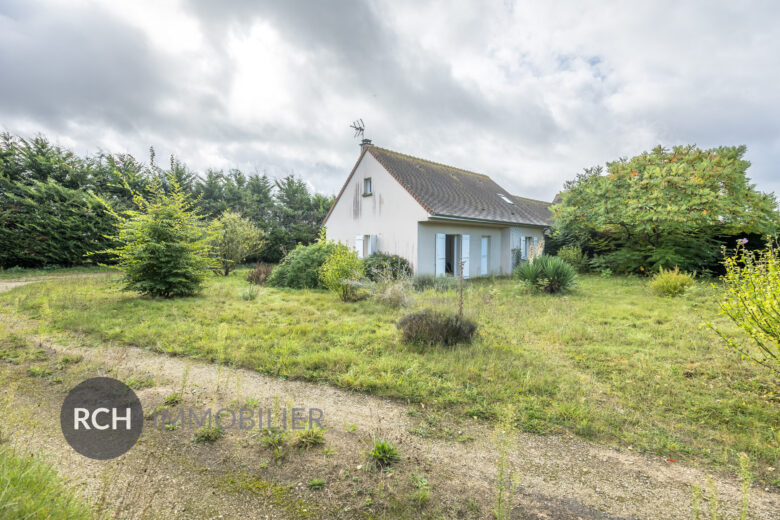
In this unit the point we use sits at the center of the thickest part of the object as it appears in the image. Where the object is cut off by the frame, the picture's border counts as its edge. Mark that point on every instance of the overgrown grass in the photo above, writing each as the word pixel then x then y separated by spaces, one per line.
pixel 21 272
pixel 610 362
pixel 30 488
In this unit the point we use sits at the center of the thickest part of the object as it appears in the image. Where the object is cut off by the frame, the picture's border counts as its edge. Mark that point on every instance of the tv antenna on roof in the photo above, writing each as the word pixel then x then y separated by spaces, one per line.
pixel 359 127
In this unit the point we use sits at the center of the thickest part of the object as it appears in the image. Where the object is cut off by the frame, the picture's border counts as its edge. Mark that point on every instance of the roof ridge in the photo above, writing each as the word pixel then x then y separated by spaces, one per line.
pixel 433 162
pixel 531 200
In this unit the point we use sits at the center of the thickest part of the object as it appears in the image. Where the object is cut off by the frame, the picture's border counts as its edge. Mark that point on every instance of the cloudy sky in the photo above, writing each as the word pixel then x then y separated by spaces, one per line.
pixel 527 92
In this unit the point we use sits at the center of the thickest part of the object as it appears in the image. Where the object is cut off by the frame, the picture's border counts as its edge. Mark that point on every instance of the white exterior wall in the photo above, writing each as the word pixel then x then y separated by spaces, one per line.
pixel 390 213
pixel 513 239
pixel 426 252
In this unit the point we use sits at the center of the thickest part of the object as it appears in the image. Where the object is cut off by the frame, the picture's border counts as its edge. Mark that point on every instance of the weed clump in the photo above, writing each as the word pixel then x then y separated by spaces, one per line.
pixel 384 454
pixel 310 438
pixel 208 434
pixel 671 282
pixel 430 327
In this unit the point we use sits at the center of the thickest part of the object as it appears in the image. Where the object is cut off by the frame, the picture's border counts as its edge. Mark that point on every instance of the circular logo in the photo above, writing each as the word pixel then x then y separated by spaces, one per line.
pixel 101 418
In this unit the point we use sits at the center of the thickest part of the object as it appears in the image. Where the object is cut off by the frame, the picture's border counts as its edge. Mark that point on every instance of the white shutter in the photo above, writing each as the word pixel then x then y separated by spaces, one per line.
pixel 359 245
pixel 372 245
pixel 441 252
pixel 465 254
pixel 483 264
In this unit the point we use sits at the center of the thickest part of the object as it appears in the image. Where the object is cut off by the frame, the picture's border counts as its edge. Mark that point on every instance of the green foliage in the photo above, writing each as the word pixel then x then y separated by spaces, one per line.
pixel 259 275
pixel 574 256
pixel 340 273
pixel 752 302
pixel 300 269
pixel 549 274
pixel 208 434
pixel 671 282
pixel 316 484
pixel 384 454
pixel 309 438
pixel 32 489
pixel 430 327
pixel 48 187
pixel 44 223
pixel 272 438
pixel 664 208
pixel 163 249
pixel 172 399
pixel 233 239
pixel 381 265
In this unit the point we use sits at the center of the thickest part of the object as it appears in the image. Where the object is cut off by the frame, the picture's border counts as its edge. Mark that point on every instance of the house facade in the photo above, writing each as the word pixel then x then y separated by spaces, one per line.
pixel 438 217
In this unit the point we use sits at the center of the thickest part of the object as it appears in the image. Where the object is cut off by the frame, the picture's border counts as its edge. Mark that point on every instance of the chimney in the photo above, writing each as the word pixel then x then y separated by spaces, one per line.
pixel 365 143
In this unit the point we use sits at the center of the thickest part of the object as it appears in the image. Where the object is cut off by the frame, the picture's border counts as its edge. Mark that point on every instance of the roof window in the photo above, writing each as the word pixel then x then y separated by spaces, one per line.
pixel 504 198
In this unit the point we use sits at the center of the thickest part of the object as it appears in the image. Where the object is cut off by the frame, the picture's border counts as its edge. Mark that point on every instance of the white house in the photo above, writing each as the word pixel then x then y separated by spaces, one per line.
pixel 433 215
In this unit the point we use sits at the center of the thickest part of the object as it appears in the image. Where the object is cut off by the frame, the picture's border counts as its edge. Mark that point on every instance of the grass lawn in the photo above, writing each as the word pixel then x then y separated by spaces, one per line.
pixel 20 272
pixel 609 362
pixel 30 488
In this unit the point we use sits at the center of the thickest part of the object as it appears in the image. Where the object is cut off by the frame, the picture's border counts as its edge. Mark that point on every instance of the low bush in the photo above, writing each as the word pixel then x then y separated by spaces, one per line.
pixel 436 327
pixel 549 274
pixel 384 454
pixel 300 268
pixel 382 265
pixel 259 275
pixel 341 273
pixel 752 302
pixel 437 283
pixel 671 282
pixel 574 256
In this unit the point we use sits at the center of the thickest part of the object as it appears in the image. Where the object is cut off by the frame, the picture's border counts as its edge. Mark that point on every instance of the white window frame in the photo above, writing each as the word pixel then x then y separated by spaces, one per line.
pixel 368 183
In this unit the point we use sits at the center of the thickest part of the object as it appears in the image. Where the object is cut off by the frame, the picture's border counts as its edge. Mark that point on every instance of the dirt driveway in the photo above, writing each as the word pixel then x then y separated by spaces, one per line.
pixel 166 475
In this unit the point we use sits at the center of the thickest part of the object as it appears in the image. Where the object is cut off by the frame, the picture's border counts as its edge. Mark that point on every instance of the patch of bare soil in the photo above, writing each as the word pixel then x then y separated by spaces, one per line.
pixel 167 475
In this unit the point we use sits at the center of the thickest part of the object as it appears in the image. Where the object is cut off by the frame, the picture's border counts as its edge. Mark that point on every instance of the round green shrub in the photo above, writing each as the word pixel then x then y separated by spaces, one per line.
pixel 549 274
pixel 671 282
pixel 382 265
pixel 300 268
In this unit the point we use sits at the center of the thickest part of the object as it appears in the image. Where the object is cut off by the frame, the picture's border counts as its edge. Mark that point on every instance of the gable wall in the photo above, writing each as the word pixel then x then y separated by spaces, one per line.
pixel 391 213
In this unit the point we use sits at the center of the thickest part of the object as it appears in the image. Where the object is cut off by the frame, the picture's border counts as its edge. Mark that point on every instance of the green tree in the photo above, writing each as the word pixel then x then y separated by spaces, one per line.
pixel 665 208
pixel 45 224
pixel 163 246
pixel 233 239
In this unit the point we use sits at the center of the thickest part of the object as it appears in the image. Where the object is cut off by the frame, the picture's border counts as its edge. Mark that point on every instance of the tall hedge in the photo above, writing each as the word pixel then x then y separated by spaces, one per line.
pixel 45 224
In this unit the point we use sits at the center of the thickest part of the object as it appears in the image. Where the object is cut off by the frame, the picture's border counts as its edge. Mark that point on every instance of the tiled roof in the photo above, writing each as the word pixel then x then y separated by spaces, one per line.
pixel 451 192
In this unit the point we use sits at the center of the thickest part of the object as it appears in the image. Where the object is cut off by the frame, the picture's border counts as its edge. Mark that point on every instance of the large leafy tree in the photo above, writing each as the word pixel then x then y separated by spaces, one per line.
pixel 665 207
